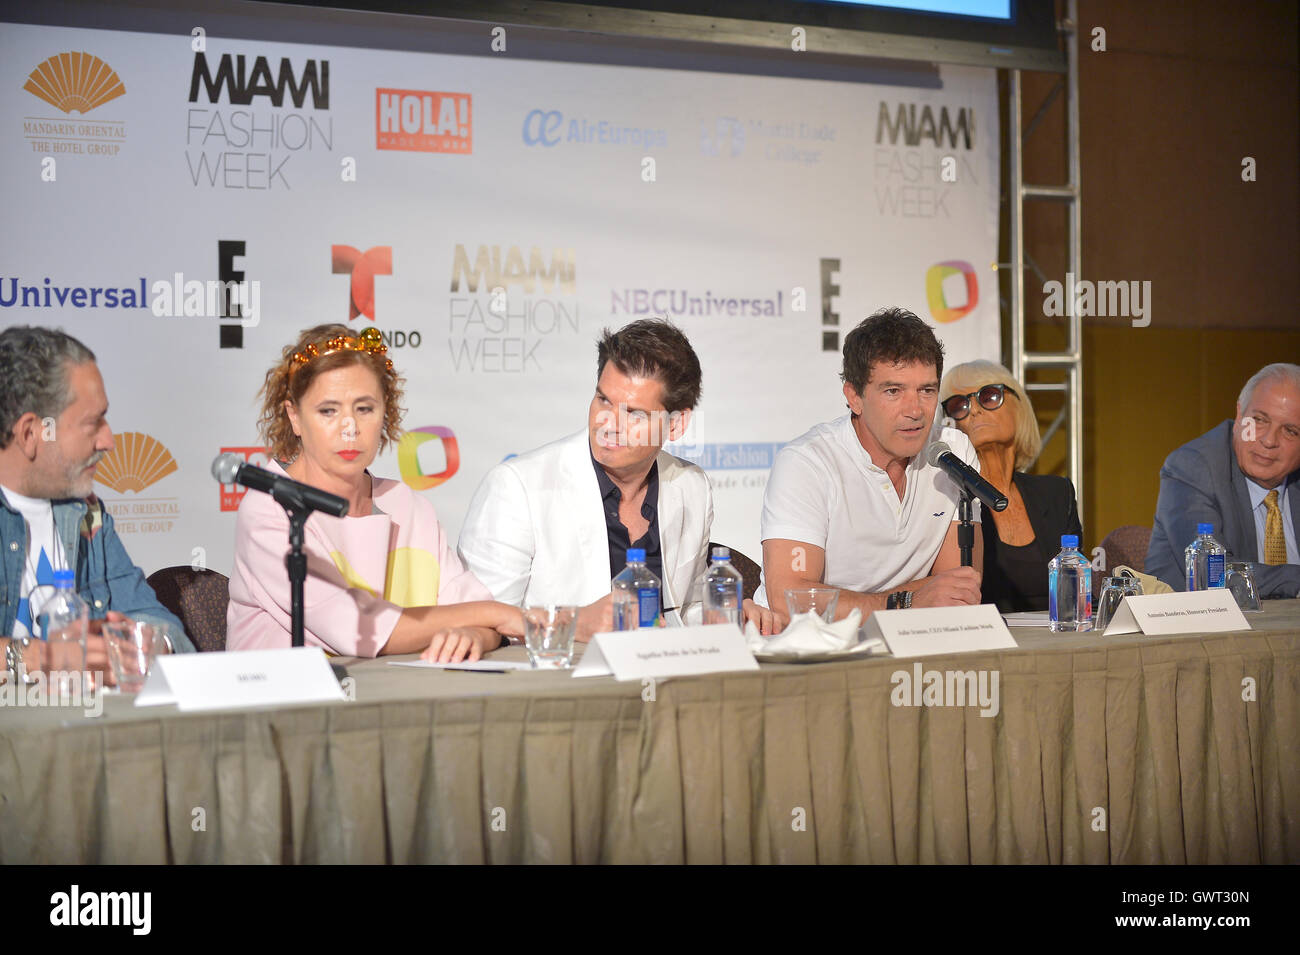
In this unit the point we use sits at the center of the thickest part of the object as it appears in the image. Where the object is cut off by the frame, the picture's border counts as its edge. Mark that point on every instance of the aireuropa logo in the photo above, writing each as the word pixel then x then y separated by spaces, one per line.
pixel 362 267
pixel 408 456
pixel 938 285
pixel 424 121
pixel 544 127
pixel 232 494
pixel 74 82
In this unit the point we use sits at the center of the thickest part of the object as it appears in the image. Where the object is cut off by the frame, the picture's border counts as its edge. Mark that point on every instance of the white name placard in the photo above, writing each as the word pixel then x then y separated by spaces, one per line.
pixel 213 681
pixel 1201 611
pixel 926 631
pixel 666 651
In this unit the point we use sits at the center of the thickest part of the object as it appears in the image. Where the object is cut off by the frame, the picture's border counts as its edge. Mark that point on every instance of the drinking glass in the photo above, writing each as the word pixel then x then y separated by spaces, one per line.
pixel 817 600
pixel 1113 592
pixel 548 635
pixel 1239 578
pixel 132 647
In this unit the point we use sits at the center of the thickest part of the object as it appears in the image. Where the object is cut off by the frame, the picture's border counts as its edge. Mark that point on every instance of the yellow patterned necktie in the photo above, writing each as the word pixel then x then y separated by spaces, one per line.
pixel 1274 539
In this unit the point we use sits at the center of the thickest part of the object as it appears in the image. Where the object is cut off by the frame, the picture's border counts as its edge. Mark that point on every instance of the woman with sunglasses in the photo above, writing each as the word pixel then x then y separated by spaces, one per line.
pixel 992 409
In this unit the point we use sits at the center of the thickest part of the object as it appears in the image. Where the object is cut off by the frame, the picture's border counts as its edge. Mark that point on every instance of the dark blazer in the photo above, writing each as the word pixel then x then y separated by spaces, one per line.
pixel 1201 483
pixel 1053 511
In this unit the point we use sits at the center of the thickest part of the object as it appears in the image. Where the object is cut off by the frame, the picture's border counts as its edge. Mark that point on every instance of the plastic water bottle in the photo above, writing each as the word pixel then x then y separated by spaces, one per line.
pixel 636 594
pixel 724 590
pixel 1204 559
pixel 64 622
pixel 1069 588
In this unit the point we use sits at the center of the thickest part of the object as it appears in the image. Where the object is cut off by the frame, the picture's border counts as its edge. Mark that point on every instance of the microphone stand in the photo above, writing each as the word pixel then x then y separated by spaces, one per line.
pixel 296 560
pixel 965 529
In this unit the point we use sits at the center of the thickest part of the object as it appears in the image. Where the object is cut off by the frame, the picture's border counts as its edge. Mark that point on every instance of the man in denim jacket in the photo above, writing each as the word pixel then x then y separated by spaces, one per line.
pixel 53 432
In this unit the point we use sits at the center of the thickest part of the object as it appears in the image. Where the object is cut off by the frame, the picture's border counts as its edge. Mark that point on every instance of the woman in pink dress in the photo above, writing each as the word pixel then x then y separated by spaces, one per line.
pixel 384 579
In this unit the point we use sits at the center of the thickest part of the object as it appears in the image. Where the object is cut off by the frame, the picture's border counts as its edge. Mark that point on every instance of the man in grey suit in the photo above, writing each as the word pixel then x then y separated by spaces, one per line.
pixel 1242 476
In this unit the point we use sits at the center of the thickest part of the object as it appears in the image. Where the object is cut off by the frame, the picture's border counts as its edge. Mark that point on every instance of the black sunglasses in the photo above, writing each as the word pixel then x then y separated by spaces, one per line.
pixel 990 398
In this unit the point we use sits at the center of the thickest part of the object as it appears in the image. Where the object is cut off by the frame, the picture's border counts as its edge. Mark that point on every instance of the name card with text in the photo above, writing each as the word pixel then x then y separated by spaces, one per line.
pixel 1201 611
pixel 664 652
pixel 926 631
pixel 213 681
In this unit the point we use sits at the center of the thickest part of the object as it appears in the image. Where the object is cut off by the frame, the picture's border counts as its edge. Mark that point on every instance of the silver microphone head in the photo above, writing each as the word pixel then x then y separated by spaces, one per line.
pixel 934 451
pixel 226 466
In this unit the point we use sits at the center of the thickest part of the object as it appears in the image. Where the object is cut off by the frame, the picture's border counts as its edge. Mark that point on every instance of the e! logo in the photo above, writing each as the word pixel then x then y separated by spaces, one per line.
pixel 408 457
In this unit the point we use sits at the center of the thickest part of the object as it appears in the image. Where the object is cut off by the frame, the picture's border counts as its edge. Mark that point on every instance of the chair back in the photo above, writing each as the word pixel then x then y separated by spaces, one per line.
pixel 751 572
pixel 199 599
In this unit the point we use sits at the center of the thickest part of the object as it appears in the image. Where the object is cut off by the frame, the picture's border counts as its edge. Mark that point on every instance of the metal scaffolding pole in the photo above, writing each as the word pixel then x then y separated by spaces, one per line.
pixel 1071 359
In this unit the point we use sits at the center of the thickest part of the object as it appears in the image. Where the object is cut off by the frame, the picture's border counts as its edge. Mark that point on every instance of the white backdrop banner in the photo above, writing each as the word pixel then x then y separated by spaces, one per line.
pixel 764 216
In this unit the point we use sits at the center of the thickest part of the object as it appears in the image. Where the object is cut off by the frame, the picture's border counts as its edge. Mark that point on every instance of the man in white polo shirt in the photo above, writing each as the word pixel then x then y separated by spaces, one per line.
pixel 852 503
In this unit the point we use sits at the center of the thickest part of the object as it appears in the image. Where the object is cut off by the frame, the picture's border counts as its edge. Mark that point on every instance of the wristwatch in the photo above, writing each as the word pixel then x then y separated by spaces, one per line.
pixel 900 600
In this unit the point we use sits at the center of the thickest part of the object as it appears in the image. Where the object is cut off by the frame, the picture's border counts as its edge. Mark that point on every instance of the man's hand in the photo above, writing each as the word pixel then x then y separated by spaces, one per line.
pixel 959 586
pixel 595 618
pixel 769 622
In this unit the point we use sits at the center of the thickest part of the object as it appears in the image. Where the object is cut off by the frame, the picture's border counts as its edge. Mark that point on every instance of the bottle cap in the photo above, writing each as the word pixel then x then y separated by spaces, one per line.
pixel 721 553
pixel 1069 540
pixel 65 579
pixel 1205 528
pixel 636 555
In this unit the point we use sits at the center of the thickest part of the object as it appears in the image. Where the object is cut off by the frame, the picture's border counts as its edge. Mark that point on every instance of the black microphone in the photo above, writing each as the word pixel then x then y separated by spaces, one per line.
pixel 232 469
pixel 939 455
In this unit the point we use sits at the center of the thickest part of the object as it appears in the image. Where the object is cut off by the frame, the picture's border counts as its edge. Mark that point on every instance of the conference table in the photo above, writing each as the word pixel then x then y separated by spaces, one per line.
pixel 1122 749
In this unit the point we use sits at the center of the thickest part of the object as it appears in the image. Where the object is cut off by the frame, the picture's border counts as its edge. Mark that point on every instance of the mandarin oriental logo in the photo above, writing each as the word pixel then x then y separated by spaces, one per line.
pixel 423 121
pixel 137 462
pixel 75 82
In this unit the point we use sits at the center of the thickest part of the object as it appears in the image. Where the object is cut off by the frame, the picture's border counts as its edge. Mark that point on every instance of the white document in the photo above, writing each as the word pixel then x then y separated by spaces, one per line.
pixel 214 681
pixel 926 631
pixel 1201 611
pixel 483 666
pixel 667 651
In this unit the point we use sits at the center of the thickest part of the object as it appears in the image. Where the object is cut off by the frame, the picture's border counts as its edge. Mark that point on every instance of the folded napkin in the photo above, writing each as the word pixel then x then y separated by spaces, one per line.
pixel 807 634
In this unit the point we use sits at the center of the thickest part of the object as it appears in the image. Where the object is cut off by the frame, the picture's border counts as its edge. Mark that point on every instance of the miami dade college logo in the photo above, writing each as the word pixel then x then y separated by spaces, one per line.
pixel 363 267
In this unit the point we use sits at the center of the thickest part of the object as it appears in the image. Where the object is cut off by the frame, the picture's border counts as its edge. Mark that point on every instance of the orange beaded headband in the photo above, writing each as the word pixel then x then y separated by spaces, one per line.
pixel 370 340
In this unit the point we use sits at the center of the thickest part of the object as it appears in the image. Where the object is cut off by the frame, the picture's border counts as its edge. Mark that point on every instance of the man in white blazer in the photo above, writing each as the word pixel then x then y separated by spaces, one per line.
pixel 553 525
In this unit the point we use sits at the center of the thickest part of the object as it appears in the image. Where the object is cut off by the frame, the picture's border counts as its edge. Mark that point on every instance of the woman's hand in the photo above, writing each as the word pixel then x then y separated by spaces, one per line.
pixel 460 644
pixel 768 622
pixel 595 618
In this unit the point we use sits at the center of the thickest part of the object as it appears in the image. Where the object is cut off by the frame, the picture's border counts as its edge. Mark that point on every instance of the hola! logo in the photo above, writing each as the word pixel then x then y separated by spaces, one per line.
pixel 423 121
pixel 363 267
pixel 408 456
pixel 937 297
pixel 232 494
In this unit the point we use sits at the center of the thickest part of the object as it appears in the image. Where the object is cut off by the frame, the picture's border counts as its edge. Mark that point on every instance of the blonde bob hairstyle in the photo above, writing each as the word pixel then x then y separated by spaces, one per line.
pixel 285 383
pixel 974 375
